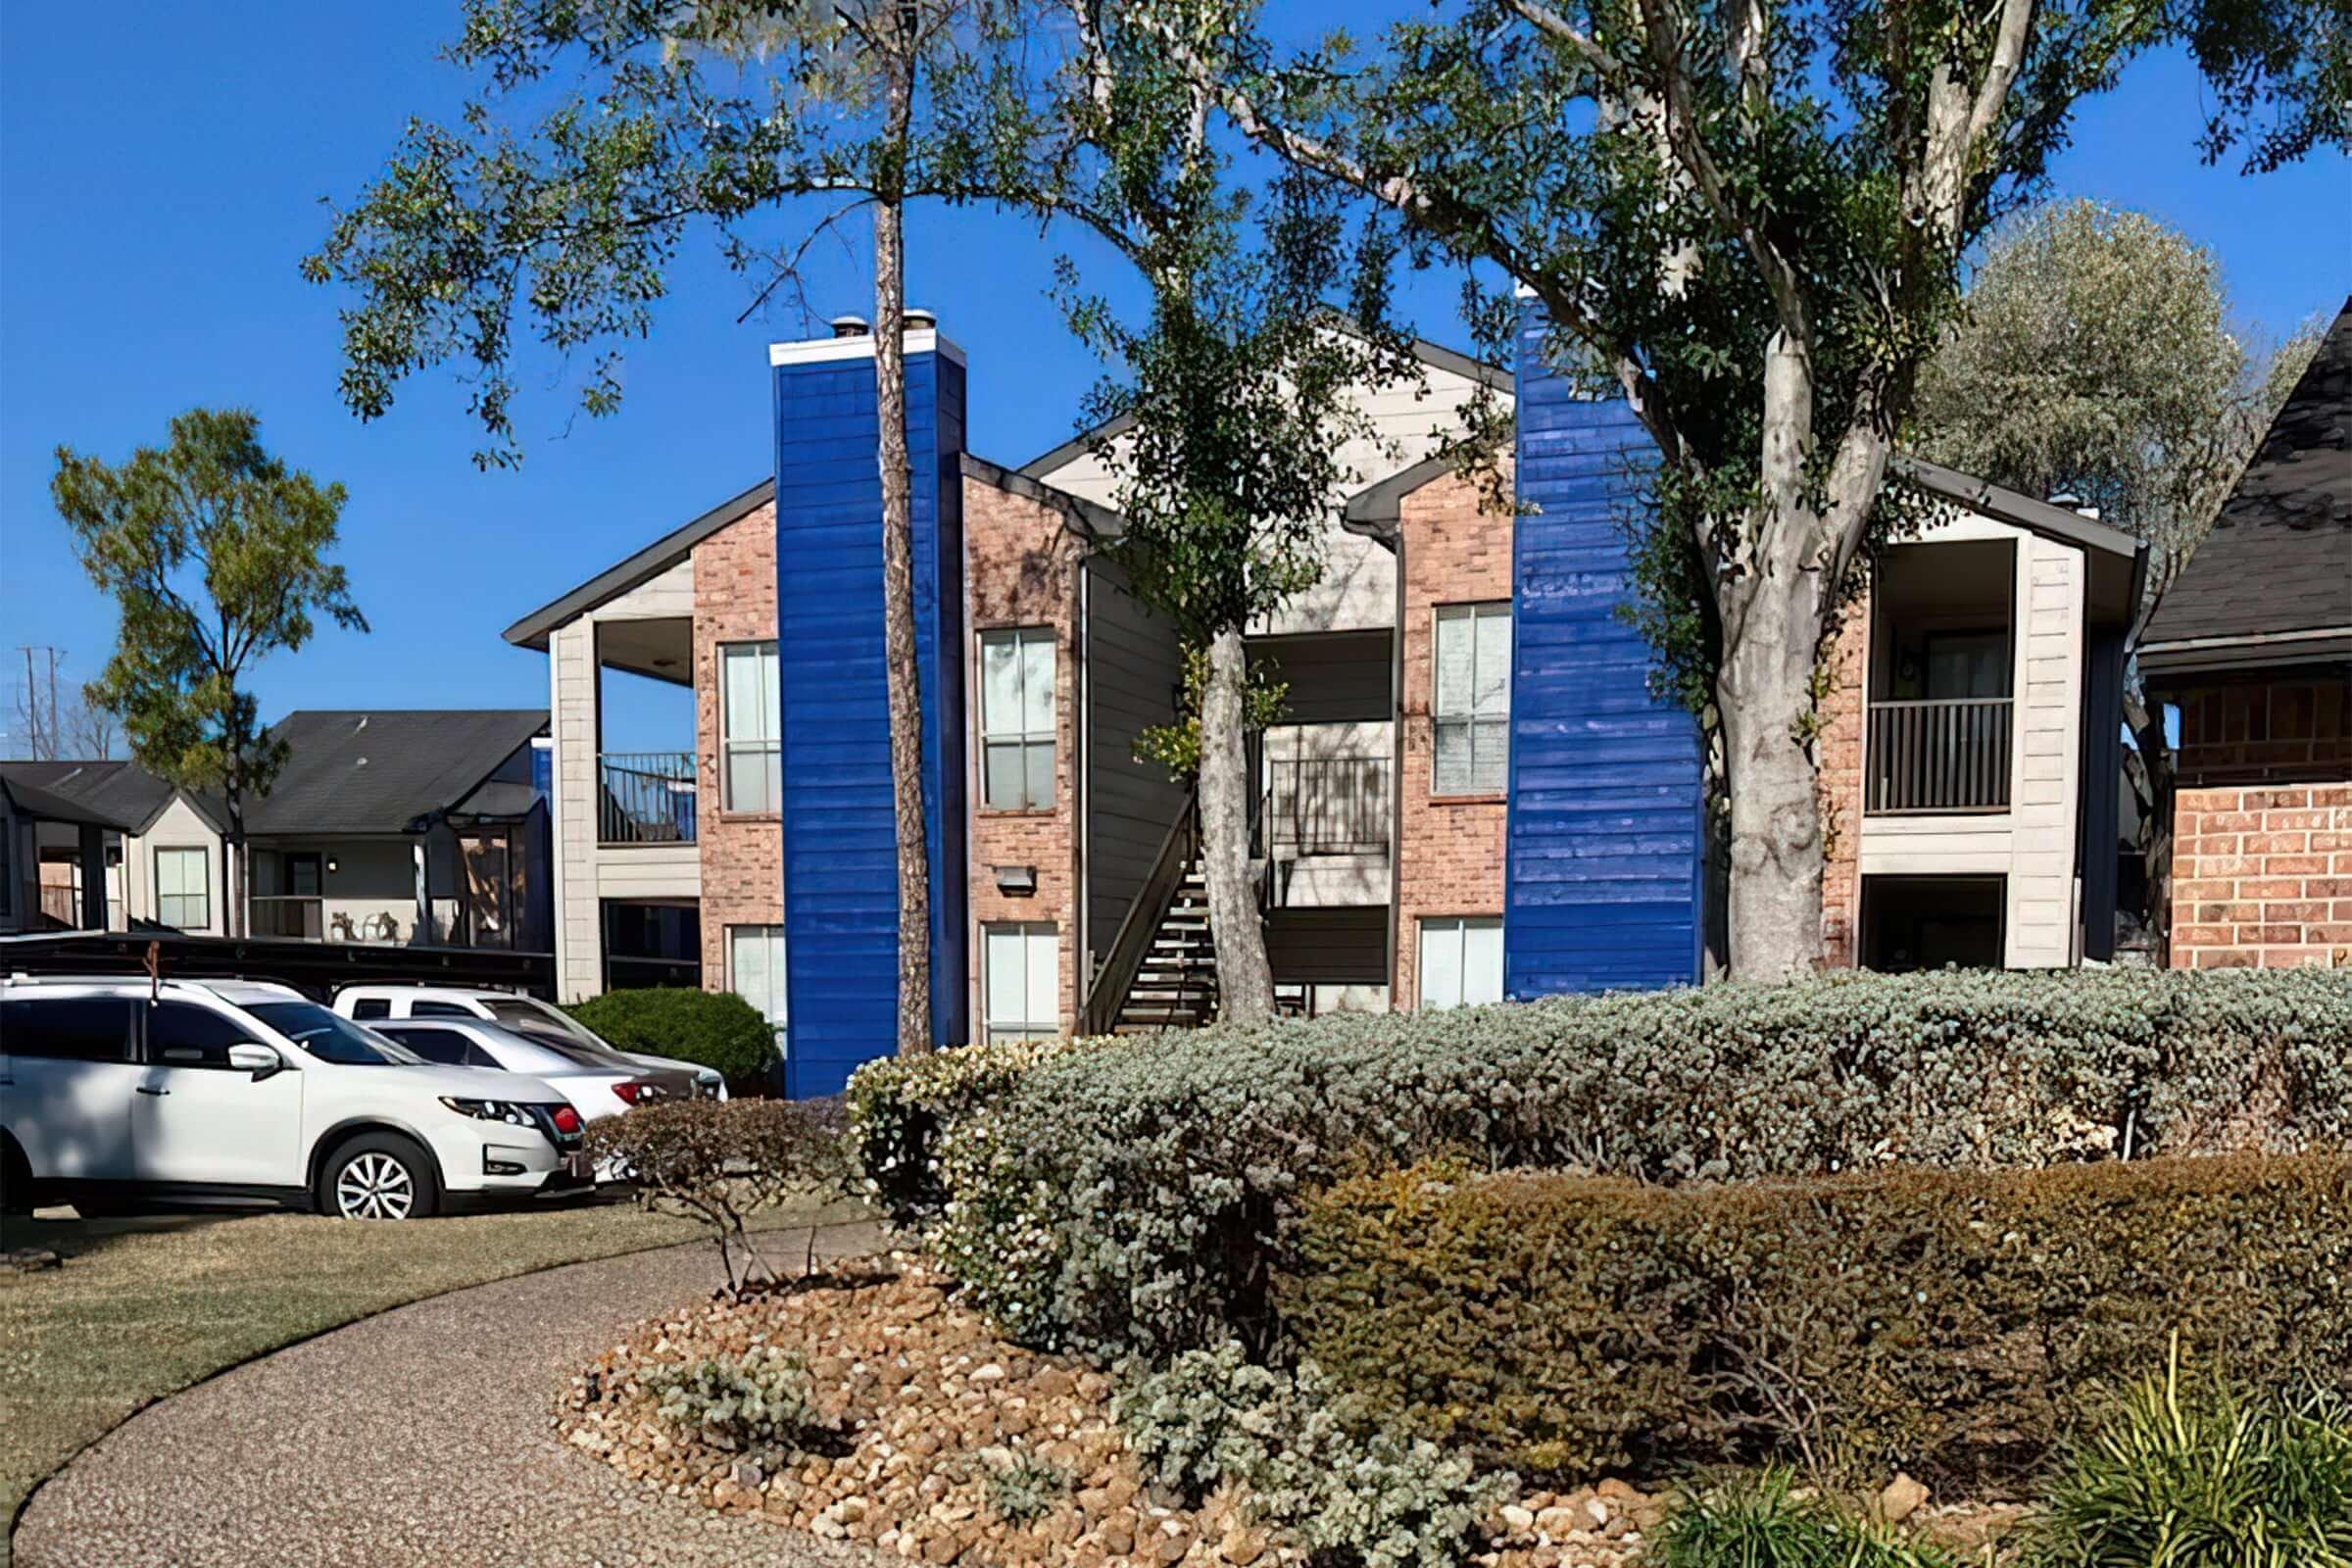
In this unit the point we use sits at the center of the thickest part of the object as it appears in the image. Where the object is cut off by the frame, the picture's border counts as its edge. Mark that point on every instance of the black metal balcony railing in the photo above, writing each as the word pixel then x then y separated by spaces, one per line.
pixel 301 916
pixel 1941 755
pixel 1328 805
pixel 644 798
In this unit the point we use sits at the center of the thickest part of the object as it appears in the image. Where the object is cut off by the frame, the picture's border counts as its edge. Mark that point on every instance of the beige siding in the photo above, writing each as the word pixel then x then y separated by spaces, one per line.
pixel 178 826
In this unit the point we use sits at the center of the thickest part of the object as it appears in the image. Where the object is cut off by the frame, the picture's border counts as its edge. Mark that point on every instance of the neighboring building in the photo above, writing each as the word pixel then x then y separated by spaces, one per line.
pixel 2254 645
pixel 1474 792
pixel 408 827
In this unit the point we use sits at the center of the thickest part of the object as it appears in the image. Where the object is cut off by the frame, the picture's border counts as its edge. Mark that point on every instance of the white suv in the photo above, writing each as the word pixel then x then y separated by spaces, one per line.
pixel 116 1093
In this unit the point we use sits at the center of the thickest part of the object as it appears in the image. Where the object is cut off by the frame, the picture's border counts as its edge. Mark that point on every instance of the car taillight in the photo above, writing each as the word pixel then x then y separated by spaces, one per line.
pixel 637 1094
pixel 566 1119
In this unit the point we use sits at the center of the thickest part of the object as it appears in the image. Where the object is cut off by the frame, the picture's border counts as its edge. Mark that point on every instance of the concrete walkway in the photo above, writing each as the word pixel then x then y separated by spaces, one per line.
pixel 418 1438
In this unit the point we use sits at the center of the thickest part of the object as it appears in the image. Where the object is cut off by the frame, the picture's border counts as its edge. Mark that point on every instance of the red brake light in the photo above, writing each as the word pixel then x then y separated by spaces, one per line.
pixel 568 1120
pixel 627 1093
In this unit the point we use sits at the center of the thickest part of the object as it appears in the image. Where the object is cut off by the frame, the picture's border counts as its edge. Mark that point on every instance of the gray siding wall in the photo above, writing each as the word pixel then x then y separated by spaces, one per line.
pixel 1133 666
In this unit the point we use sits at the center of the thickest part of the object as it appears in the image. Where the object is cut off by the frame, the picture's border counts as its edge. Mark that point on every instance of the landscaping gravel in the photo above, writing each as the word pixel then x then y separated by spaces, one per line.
pixel 417 1438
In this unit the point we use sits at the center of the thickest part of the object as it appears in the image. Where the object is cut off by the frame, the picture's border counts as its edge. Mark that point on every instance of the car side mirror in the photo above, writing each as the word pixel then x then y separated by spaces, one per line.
pixel 263 1061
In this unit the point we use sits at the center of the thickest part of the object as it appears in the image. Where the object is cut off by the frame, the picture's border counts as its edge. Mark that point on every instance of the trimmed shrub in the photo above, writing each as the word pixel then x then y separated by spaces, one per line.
pixel 2201 1478
pixel 715 1029
pixel 899 1106
pixel 1761 1520
pixel 1136 1198
pixel 1953 1323
pixel 721 1161
pixel 760 1397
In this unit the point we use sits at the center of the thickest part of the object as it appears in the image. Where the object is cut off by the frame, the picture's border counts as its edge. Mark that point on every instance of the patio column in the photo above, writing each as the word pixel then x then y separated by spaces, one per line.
pixel 423 931
pixel 93 877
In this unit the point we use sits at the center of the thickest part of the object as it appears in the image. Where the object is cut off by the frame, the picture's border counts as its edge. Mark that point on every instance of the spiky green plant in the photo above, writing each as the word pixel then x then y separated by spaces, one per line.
pixel 2200 1476
pixel 1760 1520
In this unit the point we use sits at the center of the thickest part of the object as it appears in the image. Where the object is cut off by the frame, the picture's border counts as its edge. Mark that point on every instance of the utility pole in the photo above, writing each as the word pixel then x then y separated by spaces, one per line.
pixel 40 739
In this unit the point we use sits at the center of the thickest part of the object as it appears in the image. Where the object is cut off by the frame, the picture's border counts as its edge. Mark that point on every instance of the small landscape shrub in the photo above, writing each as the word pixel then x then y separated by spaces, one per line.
pixel 715 1029
pixel 897 1106
pixel 721 1161
pixel 1760 1520
pixel 1957 1323
pixel 1025 1488
pixel 2200 1476
pixel 1138 1197
pixel 1312 1465
pixel 760 1398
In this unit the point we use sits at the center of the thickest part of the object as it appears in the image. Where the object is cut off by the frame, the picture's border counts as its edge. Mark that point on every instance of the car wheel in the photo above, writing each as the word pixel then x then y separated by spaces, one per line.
pixel 378 1176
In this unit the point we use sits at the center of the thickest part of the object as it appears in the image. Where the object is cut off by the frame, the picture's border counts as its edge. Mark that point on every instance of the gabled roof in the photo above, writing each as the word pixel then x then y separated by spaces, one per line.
pixel 531 630
pixel 379 771
pixel 1434 355
pixel 125 795
pixel 40 804
pixel 2274 579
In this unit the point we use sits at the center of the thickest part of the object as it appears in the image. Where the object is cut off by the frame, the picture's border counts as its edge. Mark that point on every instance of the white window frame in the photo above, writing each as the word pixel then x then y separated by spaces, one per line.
pixel 1037 1017
pixel 779 1018
pixel 1455 930
pixel 1028 740
pixel 204 882
pixel 1489 768
pixel 768 744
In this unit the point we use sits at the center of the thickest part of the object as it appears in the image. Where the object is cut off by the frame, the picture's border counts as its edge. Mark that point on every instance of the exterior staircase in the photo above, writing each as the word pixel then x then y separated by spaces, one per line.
pixel 1175 983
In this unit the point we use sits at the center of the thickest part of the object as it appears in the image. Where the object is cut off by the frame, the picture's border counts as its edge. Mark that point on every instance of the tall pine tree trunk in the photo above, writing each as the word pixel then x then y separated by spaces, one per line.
pixel 898 579
pixel 1245 977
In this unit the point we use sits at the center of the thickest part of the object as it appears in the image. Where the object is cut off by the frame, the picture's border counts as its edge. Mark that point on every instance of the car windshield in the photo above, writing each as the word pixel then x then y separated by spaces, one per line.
pixel 331 1037
pixel 527 1012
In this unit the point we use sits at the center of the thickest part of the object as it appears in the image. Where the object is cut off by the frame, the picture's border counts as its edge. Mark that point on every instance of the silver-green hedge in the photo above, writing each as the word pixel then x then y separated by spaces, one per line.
pixel 1134 1197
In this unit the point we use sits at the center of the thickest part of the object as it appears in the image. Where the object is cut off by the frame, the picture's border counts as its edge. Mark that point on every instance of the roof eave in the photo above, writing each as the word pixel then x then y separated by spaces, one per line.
pixel 533 630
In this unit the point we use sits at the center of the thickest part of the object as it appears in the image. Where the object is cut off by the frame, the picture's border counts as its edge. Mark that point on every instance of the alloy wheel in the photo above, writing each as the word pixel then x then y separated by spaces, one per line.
pixel 375 1185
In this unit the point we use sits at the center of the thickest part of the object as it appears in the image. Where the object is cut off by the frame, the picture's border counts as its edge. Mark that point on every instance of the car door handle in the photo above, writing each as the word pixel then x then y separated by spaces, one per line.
pixel 145 1090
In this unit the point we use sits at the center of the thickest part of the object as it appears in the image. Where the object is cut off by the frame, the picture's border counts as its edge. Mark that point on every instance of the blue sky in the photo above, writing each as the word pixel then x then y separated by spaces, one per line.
pixel 161 173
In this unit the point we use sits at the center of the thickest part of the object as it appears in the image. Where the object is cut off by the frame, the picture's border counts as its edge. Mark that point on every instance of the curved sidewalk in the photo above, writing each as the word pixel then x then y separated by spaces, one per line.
pixel 416 1439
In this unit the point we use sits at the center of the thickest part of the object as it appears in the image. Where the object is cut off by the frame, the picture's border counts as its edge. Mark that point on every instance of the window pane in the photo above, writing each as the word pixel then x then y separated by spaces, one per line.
pixel 1000 683
pixel 1007 976
pixel 1454 660
pixel 754 783
pixel 443 1046
pixel 1040 767
pixel 1441 963
pixel 439 1009
pixel 1037 682
pixel 749 689
pixel 1489 754
pixel 67 1028
pixel 1044 971
pixel 1482 961
pixel 1004 780
pixel 180 1034
pixel 1491 677
pixel 755 969
pixel 1453 773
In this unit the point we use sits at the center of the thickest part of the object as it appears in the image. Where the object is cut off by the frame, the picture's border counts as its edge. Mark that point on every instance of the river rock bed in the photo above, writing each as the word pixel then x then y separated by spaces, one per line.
pixel 928 1413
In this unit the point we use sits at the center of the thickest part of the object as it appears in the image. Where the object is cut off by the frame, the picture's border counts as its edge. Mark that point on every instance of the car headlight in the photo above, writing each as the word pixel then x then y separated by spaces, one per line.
pixel 504 1110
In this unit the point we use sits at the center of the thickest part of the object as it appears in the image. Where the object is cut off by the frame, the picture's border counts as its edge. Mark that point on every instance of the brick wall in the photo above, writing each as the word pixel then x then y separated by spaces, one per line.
pixel 2262 876
pixel 1840 789
pixel 1449 850
pixel 1021 570
pixel 2263 729
pixel 742 854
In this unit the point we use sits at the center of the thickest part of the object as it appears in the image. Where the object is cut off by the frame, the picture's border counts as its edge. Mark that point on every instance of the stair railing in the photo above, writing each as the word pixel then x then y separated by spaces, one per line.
pixel 1178 849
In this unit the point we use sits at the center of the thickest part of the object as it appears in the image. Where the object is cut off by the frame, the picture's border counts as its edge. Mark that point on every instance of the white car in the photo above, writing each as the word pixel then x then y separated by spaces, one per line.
pixel 597 1084
pixel 525 1014
pixel 118 1093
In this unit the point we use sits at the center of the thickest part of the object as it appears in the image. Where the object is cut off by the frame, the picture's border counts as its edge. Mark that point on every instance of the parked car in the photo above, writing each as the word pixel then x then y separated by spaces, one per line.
pixel 524 1014
pixel 122 1094
pixel 597 1083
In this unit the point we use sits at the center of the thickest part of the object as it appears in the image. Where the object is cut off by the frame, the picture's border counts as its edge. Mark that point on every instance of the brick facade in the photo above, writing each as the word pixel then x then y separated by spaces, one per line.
pixel 1838 788
pixel 2266 728
pixel 2262 876
pixel 1449 851
pixel 742 853
pixel 1021 569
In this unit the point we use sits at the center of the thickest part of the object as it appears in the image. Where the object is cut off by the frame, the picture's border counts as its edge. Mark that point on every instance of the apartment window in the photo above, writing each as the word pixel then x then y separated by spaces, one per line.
pixel 756 970
pixel 1016 718
pixel 183 895
pixel 1472 711
pixel 1461 961
pixel 1021 982
pixel 750 714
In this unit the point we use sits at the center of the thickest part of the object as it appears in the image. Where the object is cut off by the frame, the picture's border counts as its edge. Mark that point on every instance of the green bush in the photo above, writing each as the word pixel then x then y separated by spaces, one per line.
pixel 760 1397
pixel 2201 1477
pixel 715 1029
pixel 1137 1198
pixel 1760 1520
pixel 899 1106
pixel 1313 1463
pixel 1952 1323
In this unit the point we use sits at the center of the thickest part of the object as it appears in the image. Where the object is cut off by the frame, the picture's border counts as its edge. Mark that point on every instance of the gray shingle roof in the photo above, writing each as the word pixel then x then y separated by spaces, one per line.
pixel 378 772
pixel 123 794
pixel 2279 557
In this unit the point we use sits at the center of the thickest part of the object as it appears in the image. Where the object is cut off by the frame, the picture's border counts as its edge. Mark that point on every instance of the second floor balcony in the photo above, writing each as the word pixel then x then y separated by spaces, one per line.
pixel 1932 755
pixel 646 798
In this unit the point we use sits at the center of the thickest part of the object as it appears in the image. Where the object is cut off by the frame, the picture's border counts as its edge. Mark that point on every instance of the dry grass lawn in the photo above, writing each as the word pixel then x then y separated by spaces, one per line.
pixel 143 1308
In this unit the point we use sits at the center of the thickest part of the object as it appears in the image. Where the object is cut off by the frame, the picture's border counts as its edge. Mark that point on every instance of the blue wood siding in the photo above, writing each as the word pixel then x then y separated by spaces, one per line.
pixel 840 846
pixel 1602 845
